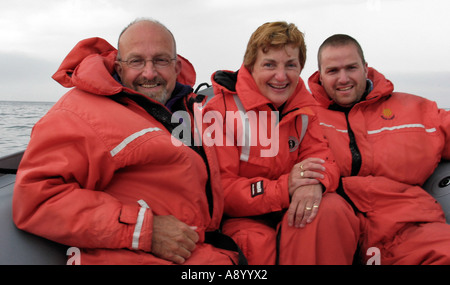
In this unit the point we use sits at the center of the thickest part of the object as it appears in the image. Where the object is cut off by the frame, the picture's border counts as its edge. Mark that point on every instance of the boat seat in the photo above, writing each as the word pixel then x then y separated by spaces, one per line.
pixel 438 185
pixel 18 247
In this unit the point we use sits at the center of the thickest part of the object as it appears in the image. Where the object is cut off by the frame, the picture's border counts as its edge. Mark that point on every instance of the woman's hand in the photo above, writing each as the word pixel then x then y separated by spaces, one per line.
pixel 305 173
pixel 304 205
pixel 305 191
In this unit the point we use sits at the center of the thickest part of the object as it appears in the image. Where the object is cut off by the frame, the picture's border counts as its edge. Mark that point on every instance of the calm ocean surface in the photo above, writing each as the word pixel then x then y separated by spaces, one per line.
pixel 16 121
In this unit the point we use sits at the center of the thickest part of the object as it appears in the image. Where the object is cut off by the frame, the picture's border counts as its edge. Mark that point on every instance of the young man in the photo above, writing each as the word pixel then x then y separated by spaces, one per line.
pixel 386 144
pixel 101 172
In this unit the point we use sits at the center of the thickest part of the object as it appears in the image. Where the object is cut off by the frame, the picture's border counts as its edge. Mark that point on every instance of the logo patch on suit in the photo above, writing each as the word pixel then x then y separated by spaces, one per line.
pixel 293 144
pixel 387 114
pixel 257 188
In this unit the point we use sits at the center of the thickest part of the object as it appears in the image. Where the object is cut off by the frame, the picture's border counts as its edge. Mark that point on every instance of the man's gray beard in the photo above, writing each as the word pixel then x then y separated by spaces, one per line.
pixel 162 97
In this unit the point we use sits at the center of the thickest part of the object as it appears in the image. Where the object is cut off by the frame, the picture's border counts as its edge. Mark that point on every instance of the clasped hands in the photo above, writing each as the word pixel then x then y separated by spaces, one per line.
pixel 305 191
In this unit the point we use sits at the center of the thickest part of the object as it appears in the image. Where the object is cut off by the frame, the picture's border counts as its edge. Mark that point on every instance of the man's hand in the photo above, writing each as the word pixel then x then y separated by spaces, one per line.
pixel 172 239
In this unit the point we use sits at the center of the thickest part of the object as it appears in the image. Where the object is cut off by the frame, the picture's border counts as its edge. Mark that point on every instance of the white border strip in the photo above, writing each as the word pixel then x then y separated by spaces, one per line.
pixel 131 138
pixel 305 121
pixel 246 136
pixel 408 126
pixel 331 126
pixel 139 223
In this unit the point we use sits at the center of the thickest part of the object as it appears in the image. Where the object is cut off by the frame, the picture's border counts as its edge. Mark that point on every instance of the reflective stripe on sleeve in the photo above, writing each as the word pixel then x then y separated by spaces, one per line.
pixel 305 121
pixel 331 126
pixel 139 223
pixel 131 138
pixel 246 136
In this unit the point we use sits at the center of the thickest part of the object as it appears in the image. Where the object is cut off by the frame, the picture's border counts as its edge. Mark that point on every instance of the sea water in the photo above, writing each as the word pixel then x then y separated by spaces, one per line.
pixel 16 121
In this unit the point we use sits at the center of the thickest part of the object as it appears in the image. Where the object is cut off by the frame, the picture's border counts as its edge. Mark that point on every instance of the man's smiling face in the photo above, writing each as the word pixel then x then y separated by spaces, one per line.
pixel 148 41
pixel 343 74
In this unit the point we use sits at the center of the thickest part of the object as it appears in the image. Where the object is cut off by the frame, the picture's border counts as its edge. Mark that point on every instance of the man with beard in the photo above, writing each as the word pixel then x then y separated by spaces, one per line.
pixel 155 77
pixel 101 172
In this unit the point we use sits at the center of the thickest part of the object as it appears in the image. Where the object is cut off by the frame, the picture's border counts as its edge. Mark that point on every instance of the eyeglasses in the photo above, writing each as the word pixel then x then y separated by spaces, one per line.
pixel 139 63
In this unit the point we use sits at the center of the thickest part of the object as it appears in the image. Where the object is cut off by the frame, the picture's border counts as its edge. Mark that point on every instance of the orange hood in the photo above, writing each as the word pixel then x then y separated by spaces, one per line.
pixel 90 67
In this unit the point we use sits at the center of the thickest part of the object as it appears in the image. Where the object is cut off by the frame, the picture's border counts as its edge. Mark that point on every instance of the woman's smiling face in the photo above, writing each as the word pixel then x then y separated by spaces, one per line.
pixel 276 73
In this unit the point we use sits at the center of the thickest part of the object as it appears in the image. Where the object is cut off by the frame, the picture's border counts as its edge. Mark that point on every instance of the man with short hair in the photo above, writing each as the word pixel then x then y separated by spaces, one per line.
pixel 101 172
pixel 386 143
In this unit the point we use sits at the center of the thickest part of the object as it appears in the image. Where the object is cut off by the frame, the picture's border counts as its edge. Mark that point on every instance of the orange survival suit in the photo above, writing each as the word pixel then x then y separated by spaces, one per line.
pixel 386 146
pixel 255 181
pixel 101 163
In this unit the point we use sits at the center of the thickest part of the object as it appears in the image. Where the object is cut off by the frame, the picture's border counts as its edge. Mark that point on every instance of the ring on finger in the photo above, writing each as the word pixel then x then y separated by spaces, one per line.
pixel 302 173
pixel 301 166
pixel 308 208
pixel 316 206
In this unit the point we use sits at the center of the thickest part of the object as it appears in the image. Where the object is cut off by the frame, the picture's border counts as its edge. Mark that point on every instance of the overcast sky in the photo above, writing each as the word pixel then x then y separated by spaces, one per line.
pixel 407 41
